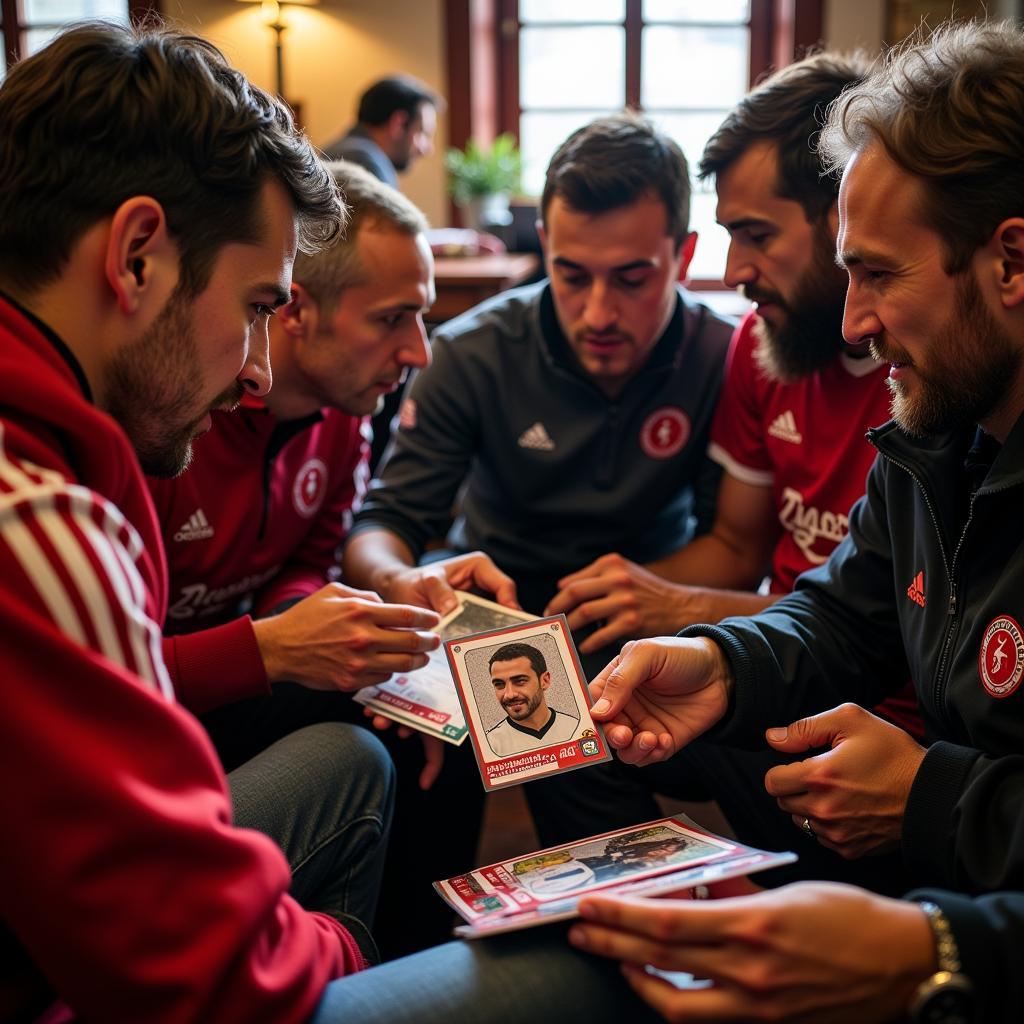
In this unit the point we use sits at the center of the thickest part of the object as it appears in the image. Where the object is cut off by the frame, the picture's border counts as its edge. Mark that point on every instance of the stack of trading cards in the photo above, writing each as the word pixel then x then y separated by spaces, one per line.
pixel 426 699
pixel 661 857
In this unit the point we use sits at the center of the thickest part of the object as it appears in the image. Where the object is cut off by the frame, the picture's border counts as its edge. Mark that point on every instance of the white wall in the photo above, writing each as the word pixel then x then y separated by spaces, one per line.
pixel 331 53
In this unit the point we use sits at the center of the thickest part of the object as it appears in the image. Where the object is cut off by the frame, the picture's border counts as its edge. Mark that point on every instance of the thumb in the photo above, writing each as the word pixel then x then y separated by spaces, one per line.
pixel 805 734
pixel 617 680
pixel 440 595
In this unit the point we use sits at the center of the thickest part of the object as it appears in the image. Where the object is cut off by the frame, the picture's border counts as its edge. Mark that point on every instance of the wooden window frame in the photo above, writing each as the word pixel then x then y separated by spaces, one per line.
pixel 14 22
pixel 482 38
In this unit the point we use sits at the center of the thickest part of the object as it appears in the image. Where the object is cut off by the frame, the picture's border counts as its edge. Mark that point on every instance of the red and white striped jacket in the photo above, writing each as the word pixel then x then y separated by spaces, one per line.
pixel 126 893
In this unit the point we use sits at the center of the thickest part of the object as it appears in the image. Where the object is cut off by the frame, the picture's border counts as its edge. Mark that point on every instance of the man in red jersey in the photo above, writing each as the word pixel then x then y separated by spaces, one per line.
pixel 296 461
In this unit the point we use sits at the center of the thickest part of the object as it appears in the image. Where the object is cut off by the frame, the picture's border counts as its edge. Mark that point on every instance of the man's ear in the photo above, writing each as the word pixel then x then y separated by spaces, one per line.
pixel 299 318
pixel 1007 247
pixel 398 123
pixel 545 680
pixel 141 263
pixel 542 235
pixel 686 251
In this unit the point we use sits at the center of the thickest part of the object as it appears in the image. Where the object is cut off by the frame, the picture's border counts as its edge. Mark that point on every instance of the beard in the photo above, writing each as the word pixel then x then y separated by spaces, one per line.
pixel 518 711
pixel 811 336
pixel 153 388
pixel 972 366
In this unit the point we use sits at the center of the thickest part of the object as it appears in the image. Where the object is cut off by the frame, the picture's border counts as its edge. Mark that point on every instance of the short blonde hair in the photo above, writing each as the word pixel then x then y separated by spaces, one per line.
pixel 328 273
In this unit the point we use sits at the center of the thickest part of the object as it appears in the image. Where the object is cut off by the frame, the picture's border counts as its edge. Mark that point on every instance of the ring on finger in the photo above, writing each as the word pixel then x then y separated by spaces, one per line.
pixel 806 826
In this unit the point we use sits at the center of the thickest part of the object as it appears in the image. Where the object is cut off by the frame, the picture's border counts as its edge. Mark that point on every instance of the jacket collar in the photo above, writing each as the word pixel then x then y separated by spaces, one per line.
pixel 942 454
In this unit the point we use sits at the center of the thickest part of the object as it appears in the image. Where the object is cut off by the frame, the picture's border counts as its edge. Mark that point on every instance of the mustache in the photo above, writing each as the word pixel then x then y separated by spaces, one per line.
pixel 883 352
pixel 230 398
pixel 756 295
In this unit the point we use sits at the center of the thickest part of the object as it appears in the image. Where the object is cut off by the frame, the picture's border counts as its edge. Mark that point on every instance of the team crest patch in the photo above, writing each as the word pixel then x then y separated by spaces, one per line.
pixel 1001 657
pixel 310 487
pixel 665 433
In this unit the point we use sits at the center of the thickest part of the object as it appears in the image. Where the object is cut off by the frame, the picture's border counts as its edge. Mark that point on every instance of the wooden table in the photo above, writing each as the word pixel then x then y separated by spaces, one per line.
pixel 463 281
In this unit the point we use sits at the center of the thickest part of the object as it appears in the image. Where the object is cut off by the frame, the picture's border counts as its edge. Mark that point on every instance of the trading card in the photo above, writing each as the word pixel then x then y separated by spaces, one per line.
pixel 526 702
pixel 426 699
pixel 671 855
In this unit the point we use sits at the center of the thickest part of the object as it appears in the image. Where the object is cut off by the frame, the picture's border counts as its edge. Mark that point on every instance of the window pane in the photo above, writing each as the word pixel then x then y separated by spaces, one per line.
pixel 721 11
pixel 713 240
pixel 54 12
pixel 572 10
pixel 694 67
pixel 540 134
pixel 692 132
pixel 581 67
pixel 36 39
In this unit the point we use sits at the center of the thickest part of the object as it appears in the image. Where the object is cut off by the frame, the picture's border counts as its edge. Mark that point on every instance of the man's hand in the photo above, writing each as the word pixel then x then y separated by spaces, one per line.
pixel 855 794
pixel 434 585
pixel 813 952
pixel 627 599
pixel 658 695
pixel 344 639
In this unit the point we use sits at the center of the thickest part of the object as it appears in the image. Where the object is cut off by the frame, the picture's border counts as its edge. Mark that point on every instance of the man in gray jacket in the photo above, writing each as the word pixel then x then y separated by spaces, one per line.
pixel 571 415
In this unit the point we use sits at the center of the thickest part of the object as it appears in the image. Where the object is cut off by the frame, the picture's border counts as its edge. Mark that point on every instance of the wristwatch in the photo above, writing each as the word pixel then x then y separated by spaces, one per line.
pixel 947 997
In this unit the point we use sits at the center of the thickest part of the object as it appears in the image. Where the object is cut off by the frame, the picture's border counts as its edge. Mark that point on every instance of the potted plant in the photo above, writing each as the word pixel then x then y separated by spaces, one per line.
pixel 482 178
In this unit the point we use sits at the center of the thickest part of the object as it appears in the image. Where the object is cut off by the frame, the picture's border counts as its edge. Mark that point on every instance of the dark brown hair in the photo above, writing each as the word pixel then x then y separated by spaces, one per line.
pixel 107 112
pixel 397 92
pixel 949 109
pixel 789 110
pixel 615 161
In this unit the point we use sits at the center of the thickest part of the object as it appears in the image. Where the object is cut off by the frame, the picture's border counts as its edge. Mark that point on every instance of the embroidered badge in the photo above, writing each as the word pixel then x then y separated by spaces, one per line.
pixel 309 487
pixel 665 433
pixel 1001 657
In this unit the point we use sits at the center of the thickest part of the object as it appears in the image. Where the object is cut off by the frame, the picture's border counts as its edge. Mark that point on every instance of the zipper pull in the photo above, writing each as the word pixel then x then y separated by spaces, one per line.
pixel 951 611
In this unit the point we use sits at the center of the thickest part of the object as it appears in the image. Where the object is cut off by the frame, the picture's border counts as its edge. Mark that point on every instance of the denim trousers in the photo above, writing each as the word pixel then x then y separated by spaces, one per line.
pixel 533 977
pixel 324 794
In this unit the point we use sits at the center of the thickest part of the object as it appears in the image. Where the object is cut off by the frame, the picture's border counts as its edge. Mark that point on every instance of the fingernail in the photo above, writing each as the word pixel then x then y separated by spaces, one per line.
pixel 777 735
pixel 600 706
pixel 645 743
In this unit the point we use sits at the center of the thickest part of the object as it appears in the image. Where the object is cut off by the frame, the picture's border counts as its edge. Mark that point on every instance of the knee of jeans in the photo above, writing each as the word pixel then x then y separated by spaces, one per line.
pixel 360 760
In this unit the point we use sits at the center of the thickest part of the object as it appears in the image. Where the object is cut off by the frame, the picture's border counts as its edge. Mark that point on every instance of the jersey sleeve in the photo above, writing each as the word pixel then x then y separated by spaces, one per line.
pixel 124 879
pixel 737 431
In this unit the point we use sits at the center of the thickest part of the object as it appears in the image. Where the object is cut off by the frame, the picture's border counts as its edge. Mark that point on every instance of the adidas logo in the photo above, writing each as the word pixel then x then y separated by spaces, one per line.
pixel 196 527
pixel 916 589
pixel 784 428
pixel 536 437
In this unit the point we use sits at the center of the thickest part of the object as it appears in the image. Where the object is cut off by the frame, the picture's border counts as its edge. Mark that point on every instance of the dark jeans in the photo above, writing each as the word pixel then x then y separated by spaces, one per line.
pixel 533 977
pixel 433 835
pixel 324 794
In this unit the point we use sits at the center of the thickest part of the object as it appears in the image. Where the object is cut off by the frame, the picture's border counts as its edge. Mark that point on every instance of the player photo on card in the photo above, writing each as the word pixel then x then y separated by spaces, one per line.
pixel 526 702
pixel 426 699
